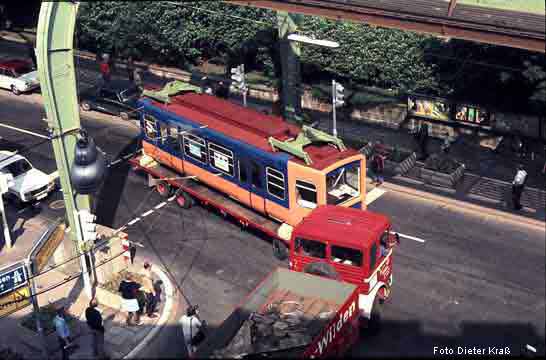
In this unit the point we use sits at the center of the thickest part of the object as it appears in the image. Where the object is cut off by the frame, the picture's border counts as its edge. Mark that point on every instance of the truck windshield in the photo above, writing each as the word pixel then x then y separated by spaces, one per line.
pixel 19 167
pixel 343 183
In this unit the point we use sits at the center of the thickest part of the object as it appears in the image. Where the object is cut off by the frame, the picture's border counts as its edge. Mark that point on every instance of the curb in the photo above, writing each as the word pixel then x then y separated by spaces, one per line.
pixel 465 205
pixel 169 294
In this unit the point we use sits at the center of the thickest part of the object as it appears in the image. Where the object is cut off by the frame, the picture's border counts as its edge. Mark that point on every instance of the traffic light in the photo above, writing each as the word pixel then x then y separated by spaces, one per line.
pixel 338 93
pixel 238 75
pixel 89 168
pixel 88 226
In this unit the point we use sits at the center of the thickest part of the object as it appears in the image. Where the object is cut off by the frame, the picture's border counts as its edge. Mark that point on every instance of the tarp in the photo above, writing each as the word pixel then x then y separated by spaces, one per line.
pixel 170 89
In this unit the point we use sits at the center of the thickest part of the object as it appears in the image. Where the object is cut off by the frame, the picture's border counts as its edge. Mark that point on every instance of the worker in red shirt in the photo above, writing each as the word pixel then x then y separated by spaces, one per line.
pixel 105 68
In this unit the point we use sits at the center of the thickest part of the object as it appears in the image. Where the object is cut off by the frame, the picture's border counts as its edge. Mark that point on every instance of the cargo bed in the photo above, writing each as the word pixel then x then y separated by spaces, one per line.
pixel 288 315
pixel 210 196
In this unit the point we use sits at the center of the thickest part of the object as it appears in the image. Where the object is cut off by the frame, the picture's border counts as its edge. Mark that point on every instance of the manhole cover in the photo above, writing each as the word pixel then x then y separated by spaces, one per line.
pixel 57 205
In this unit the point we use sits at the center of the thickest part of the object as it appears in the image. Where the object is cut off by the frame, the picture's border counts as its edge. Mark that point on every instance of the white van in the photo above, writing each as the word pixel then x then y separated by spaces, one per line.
pixel 25 183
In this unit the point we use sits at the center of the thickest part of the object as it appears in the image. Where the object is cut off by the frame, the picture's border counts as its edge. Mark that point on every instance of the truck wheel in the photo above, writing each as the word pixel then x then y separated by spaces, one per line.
pixel 184 200
pixel 374 325
pixel 163 188
pixel 15 91
pixel 280 251
pixel 321 269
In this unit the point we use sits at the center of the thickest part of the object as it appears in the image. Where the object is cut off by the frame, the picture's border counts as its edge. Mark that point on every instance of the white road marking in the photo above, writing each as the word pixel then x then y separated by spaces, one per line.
pixel 374 195
pixel 171 198
pixel 411 237
pixel 133 221
pixel 159 206
pixel 147 213
pixel 25 131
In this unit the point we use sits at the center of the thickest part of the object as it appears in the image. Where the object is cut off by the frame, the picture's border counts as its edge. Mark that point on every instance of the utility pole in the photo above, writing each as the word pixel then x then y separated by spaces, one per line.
pixel 36 308
pixel 337 100
pixel 4 181
pixel 56 69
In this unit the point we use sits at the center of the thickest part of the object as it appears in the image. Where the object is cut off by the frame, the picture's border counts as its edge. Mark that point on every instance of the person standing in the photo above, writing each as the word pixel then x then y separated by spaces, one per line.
pixel 131 69
pixel 191 329
pixel 105 68
pixel 517 187
pixel 62 331
pixel 148 288
pixel 422 137
pixel 94 321
pixel 129 303
pixel 137 78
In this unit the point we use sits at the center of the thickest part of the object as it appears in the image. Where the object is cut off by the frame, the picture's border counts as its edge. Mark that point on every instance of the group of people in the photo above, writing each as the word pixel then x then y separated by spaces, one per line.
pixel 95 323
pixel 138 299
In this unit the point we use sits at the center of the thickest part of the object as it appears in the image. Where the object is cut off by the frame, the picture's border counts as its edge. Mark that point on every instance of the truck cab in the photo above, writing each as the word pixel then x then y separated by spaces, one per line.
pixel 348 245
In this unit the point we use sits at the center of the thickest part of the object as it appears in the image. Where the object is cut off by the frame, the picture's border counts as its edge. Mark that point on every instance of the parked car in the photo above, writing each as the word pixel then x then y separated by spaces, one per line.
pixel 18 76
pixel 25 182
pixel 115 98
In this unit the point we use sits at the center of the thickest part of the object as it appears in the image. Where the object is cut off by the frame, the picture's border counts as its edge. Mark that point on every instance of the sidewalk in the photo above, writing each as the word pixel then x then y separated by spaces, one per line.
pixel 488 175
pixel 121 341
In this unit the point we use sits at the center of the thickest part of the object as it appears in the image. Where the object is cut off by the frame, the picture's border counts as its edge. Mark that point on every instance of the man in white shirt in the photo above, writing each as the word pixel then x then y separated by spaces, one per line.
pixel 517 187
pixel 190 327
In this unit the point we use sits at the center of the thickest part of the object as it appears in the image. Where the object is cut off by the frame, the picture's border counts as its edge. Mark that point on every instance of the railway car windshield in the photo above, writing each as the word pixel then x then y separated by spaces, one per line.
pixel 343 184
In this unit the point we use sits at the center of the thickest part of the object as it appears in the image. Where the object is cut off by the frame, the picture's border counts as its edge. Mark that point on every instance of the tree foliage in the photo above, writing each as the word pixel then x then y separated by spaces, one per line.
pixel 186 34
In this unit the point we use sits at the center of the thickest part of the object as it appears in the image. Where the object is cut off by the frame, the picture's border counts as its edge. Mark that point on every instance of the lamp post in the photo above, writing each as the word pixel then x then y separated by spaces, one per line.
pixel 337 89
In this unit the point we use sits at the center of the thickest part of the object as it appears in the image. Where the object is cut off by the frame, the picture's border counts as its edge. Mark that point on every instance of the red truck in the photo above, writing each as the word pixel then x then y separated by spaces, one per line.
pixel 291 315
pixel 345 244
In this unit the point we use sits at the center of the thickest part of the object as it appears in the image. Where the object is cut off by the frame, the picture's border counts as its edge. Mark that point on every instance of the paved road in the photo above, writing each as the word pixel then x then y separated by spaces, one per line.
pixel 475 281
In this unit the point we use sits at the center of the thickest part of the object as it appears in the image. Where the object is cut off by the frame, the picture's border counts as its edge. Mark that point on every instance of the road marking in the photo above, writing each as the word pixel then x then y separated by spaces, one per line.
pixel 411 237
pixel 171 198
pixel 26 131
pixel 147 213
pixel 374 195
pixel 133 221
pixel 159 206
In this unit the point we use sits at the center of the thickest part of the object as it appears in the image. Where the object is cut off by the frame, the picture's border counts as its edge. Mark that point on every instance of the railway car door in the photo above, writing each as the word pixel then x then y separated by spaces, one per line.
pixel 257 192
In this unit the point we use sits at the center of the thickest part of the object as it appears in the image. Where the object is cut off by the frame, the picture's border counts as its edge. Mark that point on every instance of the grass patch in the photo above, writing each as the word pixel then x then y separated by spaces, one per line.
pixel 530 6
pixel 47 314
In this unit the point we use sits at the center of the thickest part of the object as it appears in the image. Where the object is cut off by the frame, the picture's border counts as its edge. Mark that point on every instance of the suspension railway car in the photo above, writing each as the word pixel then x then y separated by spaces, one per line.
pixel 255 161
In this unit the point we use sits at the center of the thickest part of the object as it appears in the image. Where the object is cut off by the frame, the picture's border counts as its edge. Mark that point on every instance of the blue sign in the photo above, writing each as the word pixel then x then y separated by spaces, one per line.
pixel 12 279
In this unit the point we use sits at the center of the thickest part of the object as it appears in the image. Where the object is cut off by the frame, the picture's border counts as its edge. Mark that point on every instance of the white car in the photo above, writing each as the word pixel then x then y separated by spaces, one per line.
pixel 25 182
pixel 18 76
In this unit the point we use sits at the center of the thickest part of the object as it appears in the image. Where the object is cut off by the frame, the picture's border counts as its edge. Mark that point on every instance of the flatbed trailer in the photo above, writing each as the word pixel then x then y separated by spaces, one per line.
pixel 208 197
pixel 289 314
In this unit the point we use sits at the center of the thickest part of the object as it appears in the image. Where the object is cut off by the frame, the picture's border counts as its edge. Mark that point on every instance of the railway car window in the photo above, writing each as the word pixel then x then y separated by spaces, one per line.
pixel 150 127
pixel 243 178
pixel 221 159
pixel 256 175
pixel 306 194
pixel 346 256
pixel 195 148
pixel 311 248
pixel 275 183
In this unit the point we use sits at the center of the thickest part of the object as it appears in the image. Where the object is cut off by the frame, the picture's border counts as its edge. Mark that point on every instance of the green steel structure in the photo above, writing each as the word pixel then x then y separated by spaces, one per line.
pixel 56 70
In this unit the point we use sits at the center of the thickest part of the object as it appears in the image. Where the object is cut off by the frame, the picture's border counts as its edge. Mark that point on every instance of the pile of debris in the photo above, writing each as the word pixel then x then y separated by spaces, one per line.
pixel 287 323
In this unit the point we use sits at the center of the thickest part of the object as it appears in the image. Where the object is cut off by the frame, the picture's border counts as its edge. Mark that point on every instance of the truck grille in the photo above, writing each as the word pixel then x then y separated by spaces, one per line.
pixel 37 191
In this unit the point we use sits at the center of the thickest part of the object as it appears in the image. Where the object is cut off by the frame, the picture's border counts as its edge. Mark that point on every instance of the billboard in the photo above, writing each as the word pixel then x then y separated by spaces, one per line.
pixel 430 108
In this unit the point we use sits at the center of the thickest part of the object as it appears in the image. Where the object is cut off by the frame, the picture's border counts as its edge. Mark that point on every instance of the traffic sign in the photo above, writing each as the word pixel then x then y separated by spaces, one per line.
pixel 12 279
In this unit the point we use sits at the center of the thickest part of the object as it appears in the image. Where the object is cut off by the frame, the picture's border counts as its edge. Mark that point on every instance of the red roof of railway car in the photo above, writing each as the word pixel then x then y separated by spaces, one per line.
pixel 246 125
pixel 348 226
